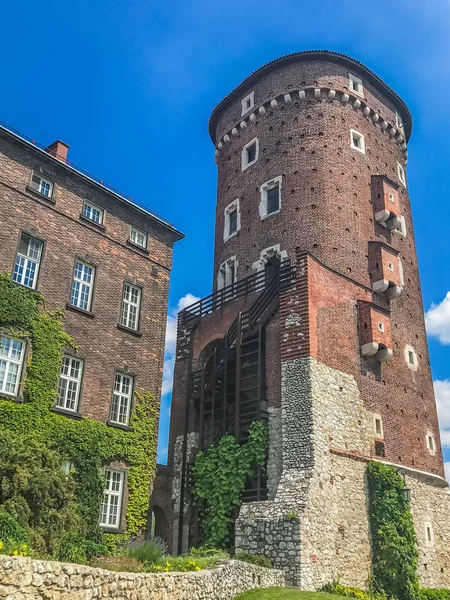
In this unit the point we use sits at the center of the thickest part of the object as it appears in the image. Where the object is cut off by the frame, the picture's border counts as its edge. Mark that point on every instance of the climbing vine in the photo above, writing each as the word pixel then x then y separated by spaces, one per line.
pixel 219 481
pixel 394 542
pixel 87 443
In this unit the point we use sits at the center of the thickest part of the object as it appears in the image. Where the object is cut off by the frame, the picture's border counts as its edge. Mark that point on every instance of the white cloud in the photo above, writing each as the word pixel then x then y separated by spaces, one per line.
pixel 437 319
pixel 442 392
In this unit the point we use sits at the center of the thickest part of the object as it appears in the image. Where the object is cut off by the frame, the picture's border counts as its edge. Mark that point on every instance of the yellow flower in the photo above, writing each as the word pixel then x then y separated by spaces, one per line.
pixel 166 569
pixel 24 546
pixel 15 553
pixel 197 568
pixel 1 545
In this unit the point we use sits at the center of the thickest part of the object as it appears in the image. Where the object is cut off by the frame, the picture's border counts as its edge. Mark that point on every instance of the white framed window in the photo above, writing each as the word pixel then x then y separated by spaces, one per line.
pixel 401 173
pixel 398 120
pixel 247 103
pixel 232 220
pixel 112 499
pixel 356 84
pixel 82 285
pixel 391 197
pixel 227 273
pixel 138 237
pixel 429 534
pixel 357 141
pixel 390 265
pixel 378 426
pixel 93 213
pixel 131 303
pixel 28 258
pixel 12 353
pixel 41 185
pixel 121 400
pixel 250 154
pixel 431 443
pixel 381 326
pixel 69 383
pixel 411 357
pixel 270 202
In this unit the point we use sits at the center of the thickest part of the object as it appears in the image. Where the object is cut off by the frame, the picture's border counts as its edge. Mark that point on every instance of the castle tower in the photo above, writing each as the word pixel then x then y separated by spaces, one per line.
pixel 315 322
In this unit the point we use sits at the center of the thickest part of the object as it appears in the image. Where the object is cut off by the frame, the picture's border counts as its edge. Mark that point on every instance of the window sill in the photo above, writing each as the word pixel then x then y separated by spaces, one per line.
pixel 67 413
pixel 137 247
pixel 48 199
pixel 119 426
pixel 232 235
pixel 275 212
pixel 86 313
pixel 93 223
pixel 134 332
pixel 13 397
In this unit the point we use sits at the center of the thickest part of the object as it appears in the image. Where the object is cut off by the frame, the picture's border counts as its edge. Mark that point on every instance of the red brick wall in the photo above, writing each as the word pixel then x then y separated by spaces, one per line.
pixel 379 258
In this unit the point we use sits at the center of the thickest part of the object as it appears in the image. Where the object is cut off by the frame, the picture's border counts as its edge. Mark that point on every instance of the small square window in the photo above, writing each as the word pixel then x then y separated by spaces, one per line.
pixel 250 154
pixel 357 141
pixel 356 84
pixel 41 185
pixel 138 237
pixel 93 213
pixel 381 326
pixel 390 266
pixel 247 103
pixel 401 173
pixel 411 358
pixel 391 197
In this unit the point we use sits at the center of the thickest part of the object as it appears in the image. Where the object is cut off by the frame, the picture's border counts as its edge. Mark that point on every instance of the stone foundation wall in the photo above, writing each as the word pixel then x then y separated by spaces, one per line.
pixel 26 579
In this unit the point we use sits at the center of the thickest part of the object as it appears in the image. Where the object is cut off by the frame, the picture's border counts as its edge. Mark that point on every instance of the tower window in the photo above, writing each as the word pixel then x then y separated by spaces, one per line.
pixel 227 273
pixel 28 259
pixel 381 326
pixel 356 84
pixel 357 141
pixel 431 444
pixel 270 203
pixel 378 426
pixel 429 536
pixel 247 103
pixel 411 357
pixel 390 266
pixel 41 185
pixel 250 154
pixel 401 173
pixel 232 220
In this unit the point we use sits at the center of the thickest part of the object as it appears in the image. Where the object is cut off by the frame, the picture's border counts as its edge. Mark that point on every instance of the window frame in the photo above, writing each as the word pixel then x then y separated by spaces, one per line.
pixel 110 493
pixel 92 285
pixel 380 326
pixel 27 259
pixel 399 121
pixel 228 210
pixel 131 377
pixel 244 163
pixel 377 419
pixel 360 137
pixel 139 231
pixel 32 186
pixel 408 351
pixel 223 274
pixel 352 78
pixel 401 174
pixel 93 206
pixel 244 108
pixel 264 189
pixel 431 447
pixel 139 306
pixel 9 361
pixel 76 408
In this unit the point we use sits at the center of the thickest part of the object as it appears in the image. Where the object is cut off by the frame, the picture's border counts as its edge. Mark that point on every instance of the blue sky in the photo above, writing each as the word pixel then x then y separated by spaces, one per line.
pixel 130 85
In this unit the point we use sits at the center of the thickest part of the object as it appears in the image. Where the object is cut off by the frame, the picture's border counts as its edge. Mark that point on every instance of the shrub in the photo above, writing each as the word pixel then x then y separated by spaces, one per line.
pixel 254 559
pixel 71 548
pixel 203 552
pixel 434 594
pixel 147 552
pixel 10 530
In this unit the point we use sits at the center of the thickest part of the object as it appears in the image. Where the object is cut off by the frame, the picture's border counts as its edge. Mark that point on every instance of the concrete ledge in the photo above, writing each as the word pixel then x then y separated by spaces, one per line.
pixel 26 579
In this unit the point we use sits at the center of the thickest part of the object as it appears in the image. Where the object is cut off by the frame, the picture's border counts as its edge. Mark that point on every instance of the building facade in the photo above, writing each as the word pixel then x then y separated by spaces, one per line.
pixel 106 261
pixel 315 323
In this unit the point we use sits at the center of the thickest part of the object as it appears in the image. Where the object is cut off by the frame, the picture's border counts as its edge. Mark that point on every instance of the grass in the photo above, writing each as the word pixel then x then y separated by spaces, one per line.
pixel 285 594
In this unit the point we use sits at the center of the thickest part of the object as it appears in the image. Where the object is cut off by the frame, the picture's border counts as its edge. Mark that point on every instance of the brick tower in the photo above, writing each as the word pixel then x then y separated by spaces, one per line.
pixel 315 322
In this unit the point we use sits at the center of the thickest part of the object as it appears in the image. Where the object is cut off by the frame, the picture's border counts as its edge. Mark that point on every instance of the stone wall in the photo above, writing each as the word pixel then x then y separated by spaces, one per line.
pixel 27 579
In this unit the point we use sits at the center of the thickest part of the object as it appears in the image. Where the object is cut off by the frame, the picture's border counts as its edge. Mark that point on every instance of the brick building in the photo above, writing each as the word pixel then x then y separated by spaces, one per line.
pixel 315 323
pixel 103 259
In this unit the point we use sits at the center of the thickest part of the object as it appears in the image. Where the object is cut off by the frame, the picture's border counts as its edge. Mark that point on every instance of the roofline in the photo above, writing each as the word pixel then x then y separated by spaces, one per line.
pixel 9 131
pixel 305 55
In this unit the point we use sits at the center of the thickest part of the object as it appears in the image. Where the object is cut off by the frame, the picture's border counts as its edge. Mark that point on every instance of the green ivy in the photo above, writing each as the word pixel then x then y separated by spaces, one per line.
pixel 88 443
pixel 219 481
pixel 394 542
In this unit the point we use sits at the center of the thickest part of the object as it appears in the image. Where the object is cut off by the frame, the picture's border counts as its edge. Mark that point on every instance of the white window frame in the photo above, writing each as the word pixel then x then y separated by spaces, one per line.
pixel 41 186
pixel 121 399
pixel 9 363
pixel 264 189
pixel 229 209
pixel 248 99
pixel 429 534
pixel 73 384
pixel 87 204
pixel 359 136
pixel 26 266
pixel 401 174
pixel 224 274
pixel 390 265
pixel 380 325
pixel 398 121
pixel 431 445
pixel 245 164
pixel 411 365
pixel 130 308
pixel 83 286
pixel 355 80
pixel 112 499
pixel 377 419
pixel 392 197
pixel 138 232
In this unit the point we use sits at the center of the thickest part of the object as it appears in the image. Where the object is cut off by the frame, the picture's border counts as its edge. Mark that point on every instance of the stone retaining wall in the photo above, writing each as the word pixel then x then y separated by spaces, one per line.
pixel 27 579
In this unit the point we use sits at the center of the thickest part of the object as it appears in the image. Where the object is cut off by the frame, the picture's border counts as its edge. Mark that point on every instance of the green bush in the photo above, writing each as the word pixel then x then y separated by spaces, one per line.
pixel 10 530
pixel 75 548
pixel 434 594
pixel 338 589
pixel 254 559
pixel 203 552
pixel 147 552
